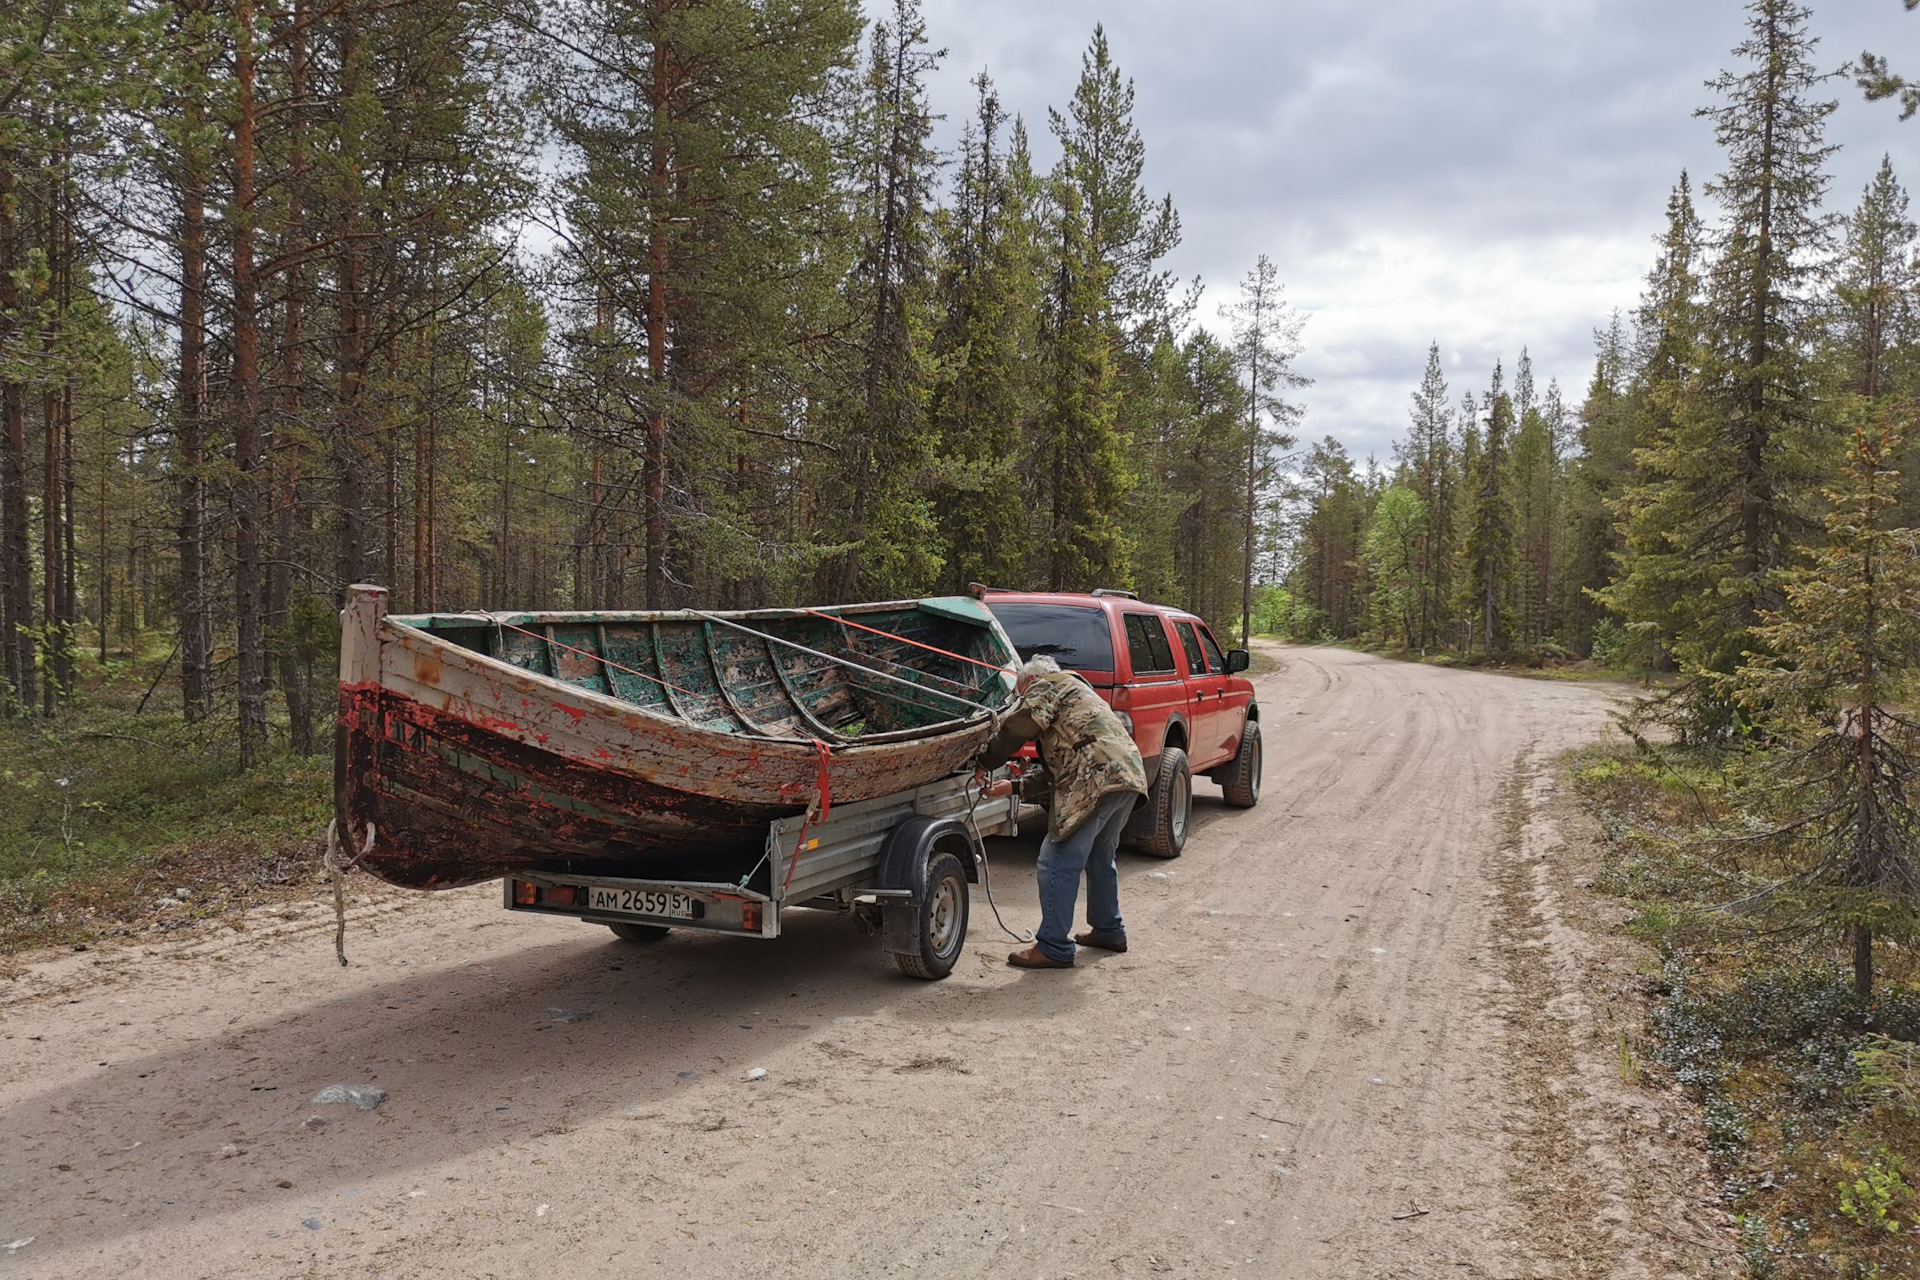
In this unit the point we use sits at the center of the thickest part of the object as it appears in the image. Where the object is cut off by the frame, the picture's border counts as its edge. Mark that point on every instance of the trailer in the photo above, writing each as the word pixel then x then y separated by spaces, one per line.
pixel 903 862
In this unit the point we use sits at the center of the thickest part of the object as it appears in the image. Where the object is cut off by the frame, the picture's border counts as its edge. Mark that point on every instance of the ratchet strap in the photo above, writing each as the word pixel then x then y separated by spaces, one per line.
pixel 822 805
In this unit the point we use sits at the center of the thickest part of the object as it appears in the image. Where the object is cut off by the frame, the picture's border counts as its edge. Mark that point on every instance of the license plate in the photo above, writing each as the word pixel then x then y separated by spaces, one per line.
pixel 646 902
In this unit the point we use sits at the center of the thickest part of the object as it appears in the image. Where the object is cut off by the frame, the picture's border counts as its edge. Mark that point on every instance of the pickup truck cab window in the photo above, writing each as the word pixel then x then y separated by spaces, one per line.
pixel 1196 660
pixel 1215 662
pixel 1147 645
pixel 1074 636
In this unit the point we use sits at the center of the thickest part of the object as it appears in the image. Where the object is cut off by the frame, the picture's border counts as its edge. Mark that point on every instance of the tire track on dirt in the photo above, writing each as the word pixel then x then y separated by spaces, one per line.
pixel 1312 1033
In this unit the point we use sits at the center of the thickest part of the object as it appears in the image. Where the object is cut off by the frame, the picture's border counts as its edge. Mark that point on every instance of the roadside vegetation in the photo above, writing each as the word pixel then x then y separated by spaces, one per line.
pixel 1775 868
pixel 1809 1093
pixel 117 819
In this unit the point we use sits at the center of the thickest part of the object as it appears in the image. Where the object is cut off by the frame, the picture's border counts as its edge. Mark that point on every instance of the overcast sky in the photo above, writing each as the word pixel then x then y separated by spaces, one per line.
pixel 1487 173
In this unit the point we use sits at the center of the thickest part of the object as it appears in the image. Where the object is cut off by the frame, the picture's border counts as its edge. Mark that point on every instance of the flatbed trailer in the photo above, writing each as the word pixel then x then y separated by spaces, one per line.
pixel 904 860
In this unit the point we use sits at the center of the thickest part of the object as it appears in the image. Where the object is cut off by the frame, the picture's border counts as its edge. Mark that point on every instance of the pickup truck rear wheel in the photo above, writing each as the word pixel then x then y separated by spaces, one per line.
pixel 941 920
pixel 1169 806
pixel 1240 780
pixel 639 932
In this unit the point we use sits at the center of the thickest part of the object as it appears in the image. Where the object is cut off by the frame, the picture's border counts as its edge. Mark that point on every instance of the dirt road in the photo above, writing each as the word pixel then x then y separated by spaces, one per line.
pixel 1313 1038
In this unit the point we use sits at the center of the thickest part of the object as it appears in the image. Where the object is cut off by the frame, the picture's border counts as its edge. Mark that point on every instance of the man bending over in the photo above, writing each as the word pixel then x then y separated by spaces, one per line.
pixel 1097 780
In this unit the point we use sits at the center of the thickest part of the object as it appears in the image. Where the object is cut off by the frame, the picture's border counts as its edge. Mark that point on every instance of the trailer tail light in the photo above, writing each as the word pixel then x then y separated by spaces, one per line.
pixel 750 916
pixel 563 895
pixel 525 894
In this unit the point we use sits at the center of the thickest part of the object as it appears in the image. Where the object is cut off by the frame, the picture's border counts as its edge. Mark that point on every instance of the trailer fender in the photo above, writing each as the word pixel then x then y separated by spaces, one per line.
pixel 904 866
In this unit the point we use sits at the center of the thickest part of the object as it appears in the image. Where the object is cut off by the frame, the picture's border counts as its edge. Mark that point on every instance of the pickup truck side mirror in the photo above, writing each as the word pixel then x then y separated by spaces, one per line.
pixel 1238 660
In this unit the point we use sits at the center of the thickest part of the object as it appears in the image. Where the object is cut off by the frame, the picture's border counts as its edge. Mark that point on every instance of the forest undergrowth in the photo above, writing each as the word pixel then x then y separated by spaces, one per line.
pixel 1810 1097
pixel 117 819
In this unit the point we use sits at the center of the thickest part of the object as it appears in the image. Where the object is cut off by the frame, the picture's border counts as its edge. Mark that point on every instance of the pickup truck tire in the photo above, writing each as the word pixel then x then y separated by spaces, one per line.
pixel 1240 778
pixel 639 932
pixel 940 923
pixel 1169 807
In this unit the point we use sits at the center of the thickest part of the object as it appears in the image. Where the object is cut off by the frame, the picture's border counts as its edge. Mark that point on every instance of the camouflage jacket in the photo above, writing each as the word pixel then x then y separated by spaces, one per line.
pixel 1085 748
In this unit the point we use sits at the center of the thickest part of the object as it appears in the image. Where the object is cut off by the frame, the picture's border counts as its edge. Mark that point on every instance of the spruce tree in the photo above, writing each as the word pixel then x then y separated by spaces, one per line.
pixel 1428 454
pixel 1488 553
pixel 1605 441
pixel 1873 339
pixel 889 518
pixel 1101 158
pixel 1878 80
pixel 1838 699
pixel 1080 461
pixel 1535 486
pixel 987 346
pixel 1729 477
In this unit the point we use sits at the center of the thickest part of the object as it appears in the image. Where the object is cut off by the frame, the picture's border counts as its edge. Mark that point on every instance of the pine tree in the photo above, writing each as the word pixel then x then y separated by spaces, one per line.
pixel 1266 341
pixel 703 192
pixel 1206 542
pixel 1326 574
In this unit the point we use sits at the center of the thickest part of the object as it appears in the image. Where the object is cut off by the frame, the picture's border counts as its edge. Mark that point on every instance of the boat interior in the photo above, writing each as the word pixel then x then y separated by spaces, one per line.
pixel 842 675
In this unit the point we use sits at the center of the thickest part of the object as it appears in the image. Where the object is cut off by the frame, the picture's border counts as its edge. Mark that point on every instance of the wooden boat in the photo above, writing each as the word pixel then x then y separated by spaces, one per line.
pixel 659 744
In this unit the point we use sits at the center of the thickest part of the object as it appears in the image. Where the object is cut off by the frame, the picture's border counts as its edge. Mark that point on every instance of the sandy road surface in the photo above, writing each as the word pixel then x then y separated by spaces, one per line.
pixel 1313 1034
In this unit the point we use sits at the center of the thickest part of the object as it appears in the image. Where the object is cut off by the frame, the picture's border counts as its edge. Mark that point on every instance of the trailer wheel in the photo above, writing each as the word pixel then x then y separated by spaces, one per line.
pixel 1169 806
pixel 639 932
pixel 1240 780
pixel 940 920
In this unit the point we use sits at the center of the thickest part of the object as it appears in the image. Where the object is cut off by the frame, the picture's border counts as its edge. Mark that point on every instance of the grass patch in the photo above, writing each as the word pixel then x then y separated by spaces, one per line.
pixel 1810 1099
pixel 114 819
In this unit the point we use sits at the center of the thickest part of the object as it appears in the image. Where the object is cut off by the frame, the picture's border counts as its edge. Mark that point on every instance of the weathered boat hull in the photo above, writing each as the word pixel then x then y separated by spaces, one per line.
pixel 458 766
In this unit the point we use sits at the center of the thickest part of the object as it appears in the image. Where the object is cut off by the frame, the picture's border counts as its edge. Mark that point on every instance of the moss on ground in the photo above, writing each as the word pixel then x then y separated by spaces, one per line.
pixel 1810 1097
pixel 115 819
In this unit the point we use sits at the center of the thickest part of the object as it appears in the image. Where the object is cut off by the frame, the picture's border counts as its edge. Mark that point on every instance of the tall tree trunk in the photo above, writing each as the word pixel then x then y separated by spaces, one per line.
pixel 109 458
pixel 1253 472
pixel 247 599
pixel 62 247
pixel 350 425
pixel 195 622
pixel 50 540
pixel 290 547
pixel 659 162
pixel 16 553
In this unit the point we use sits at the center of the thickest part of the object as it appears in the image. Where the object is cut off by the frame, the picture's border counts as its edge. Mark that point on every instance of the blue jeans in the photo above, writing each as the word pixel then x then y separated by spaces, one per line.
pixel 1090 848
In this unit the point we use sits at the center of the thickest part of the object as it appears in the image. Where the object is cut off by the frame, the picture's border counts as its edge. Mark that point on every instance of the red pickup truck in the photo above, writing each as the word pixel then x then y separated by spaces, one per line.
pixel 1189 709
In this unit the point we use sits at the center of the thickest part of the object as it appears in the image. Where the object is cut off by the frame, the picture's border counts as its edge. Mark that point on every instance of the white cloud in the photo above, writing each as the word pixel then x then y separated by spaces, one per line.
pixel 1489 173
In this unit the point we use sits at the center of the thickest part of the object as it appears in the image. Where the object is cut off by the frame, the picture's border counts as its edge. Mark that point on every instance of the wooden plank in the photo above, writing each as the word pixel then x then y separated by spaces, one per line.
pixel 360 620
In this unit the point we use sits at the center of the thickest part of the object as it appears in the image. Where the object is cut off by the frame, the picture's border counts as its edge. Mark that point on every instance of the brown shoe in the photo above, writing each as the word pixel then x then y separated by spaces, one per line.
pixel 1104 941
pixel 1035 958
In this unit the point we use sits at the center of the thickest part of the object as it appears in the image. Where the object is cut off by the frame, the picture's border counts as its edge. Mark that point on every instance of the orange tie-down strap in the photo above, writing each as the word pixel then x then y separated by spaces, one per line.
pixel 945 653
pixel 824 788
